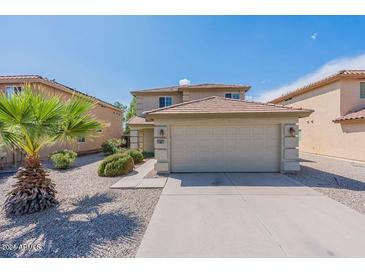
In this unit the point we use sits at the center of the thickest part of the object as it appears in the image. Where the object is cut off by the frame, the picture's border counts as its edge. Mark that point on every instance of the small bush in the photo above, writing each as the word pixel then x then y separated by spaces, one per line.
pixel 112 146
pixel 136 155
pixel 108 160
pixel 147 154
pixel 63 159
pixel 119 167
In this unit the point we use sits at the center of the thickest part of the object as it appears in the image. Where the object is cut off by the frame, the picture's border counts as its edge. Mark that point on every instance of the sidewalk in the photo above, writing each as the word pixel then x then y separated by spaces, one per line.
pixel 136 179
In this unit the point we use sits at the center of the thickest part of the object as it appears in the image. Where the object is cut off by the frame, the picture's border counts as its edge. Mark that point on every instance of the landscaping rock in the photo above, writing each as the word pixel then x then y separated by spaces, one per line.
pixel 91 220
pixel 341 180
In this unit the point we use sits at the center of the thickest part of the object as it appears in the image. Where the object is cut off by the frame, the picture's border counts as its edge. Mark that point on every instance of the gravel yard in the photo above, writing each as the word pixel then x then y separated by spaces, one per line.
pixel 90 221
pixel 341 180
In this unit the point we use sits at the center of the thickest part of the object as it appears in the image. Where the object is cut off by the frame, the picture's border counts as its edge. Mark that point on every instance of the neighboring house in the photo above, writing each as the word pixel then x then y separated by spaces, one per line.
pixel 210 128
pixel 103 111
pixel 337 125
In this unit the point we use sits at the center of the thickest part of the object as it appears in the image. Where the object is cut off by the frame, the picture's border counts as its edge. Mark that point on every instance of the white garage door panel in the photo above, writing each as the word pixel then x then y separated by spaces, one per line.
pixel 225 148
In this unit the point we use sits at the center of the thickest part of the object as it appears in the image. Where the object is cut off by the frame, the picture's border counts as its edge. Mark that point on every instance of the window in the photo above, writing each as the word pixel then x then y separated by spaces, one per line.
pixel 81 140
pixel 362 90
pixel 232 96
pixel 9 91
pixel 164 101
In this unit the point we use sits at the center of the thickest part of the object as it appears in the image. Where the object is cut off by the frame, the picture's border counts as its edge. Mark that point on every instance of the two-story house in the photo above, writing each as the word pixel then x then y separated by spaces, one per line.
pixel 337 126
pixel 211 128
pixel 111 115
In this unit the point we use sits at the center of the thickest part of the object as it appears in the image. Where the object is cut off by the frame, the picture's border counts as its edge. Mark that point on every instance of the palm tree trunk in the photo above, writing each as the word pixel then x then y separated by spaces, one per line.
pixel 33 191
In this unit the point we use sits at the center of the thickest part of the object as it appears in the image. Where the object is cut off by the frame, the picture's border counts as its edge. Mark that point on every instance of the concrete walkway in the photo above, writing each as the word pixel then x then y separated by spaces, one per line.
pixel 249 215
pixel 136 179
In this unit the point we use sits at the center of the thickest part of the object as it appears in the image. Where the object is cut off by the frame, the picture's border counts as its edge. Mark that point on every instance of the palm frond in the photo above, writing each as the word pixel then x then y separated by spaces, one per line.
pixel 77 122
pixel 30 121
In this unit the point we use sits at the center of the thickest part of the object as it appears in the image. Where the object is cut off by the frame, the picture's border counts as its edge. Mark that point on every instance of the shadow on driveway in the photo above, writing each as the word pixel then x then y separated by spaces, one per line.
pixel 308 176
pixel 234 179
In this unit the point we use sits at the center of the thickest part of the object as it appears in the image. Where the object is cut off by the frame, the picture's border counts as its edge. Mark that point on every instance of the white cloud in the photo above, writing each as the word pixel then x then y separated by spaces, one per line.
pixel 314 36
pixel 332 67
pixel 183 82
pixel 248 98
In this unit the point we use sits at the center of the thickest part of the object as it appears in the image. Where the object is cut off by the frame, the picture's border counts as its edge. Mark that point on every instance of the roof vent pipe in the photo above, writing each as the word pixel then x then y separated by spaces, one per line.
pixel 184 82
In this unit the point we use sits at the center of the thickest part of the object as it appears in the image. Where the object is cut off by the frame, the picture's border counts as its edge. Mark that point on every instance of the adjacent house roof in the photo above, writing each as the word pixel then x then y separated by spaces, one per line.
pixel 343 74
pixel 138 121
pixel 192 87
pixel 36 78
pixel 355 115
pixel 221 105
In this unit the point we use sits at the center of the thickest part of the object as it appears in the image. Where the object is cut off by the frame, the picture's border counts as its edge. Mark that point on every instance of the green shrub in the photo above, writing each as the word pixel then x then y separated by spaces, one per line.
pixel 108 160
pixel 136 155
pixel 147 154
pixel 112 146
pixel 63 159
pixel 119 167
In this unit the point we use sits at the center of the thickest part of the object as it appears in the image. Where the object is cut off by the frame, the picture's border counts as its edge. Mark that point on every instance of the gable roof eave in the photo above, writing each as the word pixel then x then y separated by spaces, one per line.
pixel 181 88
pixel 224 106
pixel 342 74
pixel 21 79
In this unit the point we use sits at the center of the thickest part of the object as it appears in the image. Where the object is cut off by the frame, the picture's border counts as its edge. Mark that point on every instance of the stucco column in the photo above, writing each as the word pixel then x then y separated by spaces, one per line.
pixel 161 135
pixel 134 139
pixel 140 139
pixel 290 143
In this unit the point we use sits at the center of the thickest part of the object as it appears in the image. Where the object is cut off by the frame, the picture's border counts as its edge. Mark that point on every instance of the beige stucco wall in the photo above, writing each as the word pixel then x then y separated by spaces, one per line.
pixel 110 116
pixel 163 148
pixel 196 94
pixel 147 102
pixel 350 96
pixel 319 134
pixel 142 138
pixel 148 140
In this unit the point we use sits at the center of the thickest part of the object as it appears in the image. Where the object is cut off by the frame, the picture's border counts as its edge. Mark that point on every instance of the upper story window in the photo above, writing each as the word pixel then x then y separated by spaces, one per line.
pixel 164 101
pixel 81 140
pixel 232 95
pixel 362 90
pixel 10 90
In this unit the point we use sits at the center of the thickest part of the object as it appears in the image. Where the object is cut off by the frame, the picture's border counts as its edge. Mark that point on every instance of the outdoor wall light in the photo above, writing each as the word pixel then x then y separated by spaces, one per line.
pixel 292 131
pixel 162 133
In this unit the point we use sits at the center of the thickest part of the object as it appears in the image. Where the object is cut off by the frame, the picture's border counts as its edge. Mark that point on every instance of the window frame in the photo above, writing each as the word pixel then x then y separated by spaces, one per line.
pixel 16 89
pixel 231 95
pixel 165 101
pixel 362 90
pixel 81 140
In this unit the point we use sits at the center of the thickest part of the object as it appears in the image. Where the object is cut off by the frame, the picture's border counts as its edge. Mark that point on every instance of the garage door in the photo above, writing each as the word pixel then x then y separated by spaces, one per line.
pixel 253 148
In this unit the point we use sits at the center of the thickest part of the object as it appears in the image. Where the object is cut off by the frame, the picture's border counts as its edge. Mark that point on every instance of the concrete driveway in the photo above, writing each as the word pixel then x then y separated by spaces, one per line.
pixel 249 215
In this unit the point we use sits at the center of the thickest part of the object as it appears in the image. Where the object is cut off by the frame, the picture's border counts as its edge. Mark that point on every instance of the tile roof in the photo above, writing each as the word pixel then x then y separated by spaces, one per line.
pixel 216 104
pixel 5 77
pixel 332 78
pixel 37 78
pixel 192 87
pixel 355 115
pixel 137 120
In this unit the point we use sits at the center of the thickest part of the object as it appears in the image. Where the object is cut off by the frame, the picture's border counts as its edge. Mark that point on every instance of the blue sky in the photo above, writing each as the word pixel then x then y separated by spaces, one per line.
pixel 107 56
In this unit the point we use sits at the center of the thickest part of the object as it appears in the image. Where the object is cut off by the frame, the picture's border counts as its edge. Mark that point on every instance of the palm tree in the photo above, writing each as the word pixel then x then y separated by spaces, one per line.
pixel 29 122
